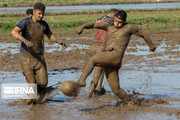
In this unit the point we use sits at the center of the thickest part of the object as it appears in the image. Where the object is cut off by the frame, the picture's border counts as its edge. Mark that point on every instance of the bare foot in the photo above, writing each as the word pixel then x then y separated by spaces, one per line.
pixel 81 83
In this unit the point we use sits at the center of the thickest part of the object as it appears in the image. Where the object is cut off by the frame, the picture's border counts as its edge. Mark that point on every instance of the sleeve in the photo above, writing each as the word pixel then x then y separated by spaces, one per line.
pixel 101 25
pixel 47 29
pixel 23 23
pixel 139 32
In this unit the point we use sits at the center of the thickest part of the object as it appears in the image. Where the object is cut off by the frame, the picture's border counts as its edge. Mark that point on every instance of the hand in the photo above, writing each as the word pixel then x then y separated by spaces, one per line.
pixel 64 44
pixel 79 30
pixel 29 44
pixel 152 48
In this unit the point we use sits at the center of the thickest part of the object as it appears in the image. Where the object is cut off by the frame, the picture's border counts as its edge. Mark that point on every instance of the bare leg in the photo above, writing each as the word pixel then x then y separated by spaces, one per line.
pixel 96 76
pixel 113 80
pixel 87 70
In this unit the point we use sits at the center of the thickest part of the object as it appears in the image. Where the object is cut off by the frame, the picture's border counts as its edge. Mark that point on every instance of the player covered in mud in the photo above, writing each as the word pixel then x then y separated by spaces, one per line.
pixel 111 58
pixel 99 43
pixel 32 47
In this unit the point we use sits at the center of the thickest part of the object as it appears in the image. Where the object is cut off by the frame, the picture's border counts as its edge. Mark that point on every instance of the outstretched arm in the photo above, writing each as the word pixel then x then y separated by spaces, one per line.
pixel 16 33
pixel 52 37
pixel 100 25
pixel 79 30
pixel 147 39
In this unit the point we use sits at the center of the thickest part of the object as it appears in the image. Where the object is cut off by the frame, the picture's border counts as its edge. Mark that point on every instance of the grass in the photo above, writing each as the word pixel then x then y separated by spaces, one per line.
pixel 6 3
pixel 153 19
pixel 158 21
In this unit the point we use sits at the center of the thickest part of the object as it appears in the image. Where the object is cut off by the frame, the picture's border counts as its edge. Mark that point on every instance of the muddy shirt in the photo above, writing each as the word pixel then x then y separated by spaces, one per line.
pixel 118 38
pixel 33 32
pixel 100 36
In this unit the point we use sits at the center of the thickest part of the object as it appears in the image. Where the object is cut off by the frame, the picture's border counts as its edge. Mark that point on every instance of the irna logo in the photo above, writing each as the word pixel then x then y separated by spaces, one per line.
pixel 18 91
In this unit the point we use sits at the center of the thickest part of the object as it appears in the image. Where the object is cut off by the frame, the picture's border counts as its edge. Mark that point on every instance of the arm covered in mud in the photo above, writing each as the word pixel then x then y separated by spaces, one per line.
pixel 16 33
pixel 52 37
pixel 100 25
pixel 145 36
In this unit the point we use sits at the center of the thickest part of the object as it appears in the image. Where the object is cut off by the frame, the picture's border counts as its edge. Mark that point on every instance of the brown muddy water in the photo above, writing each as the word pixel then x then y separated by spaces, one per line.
pixel 152 76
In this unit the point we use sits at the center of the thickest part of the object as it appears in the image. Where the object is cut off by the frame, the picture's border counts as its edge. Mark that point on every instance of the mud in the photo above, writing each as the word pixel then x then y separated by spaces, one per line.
pixel 153 77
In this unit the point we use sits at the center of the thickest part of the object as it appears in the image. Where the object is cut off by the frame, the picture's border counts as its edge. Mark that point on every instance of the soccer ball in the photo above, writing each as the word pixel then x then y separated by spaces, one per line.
pixel 70 88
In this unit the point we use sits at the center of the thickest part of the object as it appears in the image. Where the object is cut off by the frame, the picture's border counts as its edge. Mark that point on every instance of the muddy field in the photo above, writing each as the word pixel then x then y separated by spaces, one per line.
pixel 144 74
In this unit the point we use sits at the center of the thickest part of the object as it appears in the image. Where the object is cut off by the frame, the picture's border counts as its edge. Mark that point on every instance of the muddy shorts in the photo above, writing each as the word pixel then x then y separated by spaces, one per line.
pixel 34 69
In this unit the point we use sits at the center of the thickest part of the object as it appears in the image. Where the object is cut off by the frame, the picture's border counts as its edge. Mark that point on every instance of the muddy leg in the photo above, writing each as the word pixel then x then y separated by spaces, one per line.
pixel 87 70
pixel 113 80
pixel 30 78
pixel 101 59
pixel 99 86
pixel 42 78
pixel 96 76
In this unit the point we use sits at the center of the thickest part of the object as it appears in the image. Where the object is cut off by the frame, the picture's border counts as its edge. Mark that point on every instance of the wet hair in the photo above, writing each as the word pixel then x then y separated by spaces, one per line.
pixel 114 10
pixel 29 11
pixel 121 14
pixel 39 6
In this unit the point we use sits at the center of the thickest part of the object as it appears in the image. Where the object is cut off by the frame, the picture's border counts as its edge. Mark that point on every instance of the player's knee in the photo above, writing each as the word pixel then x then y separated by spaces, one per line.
pixel 91 59
pixel 43 83
pixel 30 79
pixel 90 62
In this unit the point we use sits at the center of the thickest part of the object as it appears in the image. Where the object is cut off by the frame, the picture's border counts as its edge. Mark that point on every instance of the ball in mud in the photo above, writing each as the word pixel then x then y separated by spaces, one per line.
pixel 70 88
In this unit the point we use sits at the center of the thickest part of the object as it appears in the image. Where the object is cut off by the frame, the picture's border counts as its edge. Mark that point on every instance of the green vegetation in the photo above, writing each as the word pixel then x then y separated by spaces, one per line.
pixel 156 20
pixel 152 19
pixel 6 3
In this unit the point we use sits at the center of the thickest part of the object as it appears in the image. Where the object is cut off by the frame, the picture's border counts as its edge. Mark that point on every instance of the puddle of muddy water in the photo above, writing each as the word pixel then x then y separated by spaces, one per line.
pixel 14 48
pixel 150 86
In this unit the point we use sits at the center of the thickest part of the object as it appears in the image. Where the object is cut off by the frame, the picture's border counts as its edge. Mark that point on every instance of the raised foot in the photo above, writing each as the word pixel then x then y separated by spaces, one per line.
pixel 81 83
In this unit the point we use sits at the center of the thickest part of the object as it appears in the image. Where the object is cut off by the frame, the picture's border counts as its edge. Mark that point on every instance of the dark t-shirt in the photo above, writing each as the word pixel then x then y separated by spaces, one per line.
pixel 25 22
pixel 33 32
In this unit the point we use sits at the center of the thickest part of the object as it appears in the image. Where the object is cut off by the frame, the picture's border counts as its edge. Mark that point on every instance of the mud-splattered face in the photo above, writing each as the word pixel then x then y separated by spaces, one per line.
pixel 118 22
pixel 39 14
